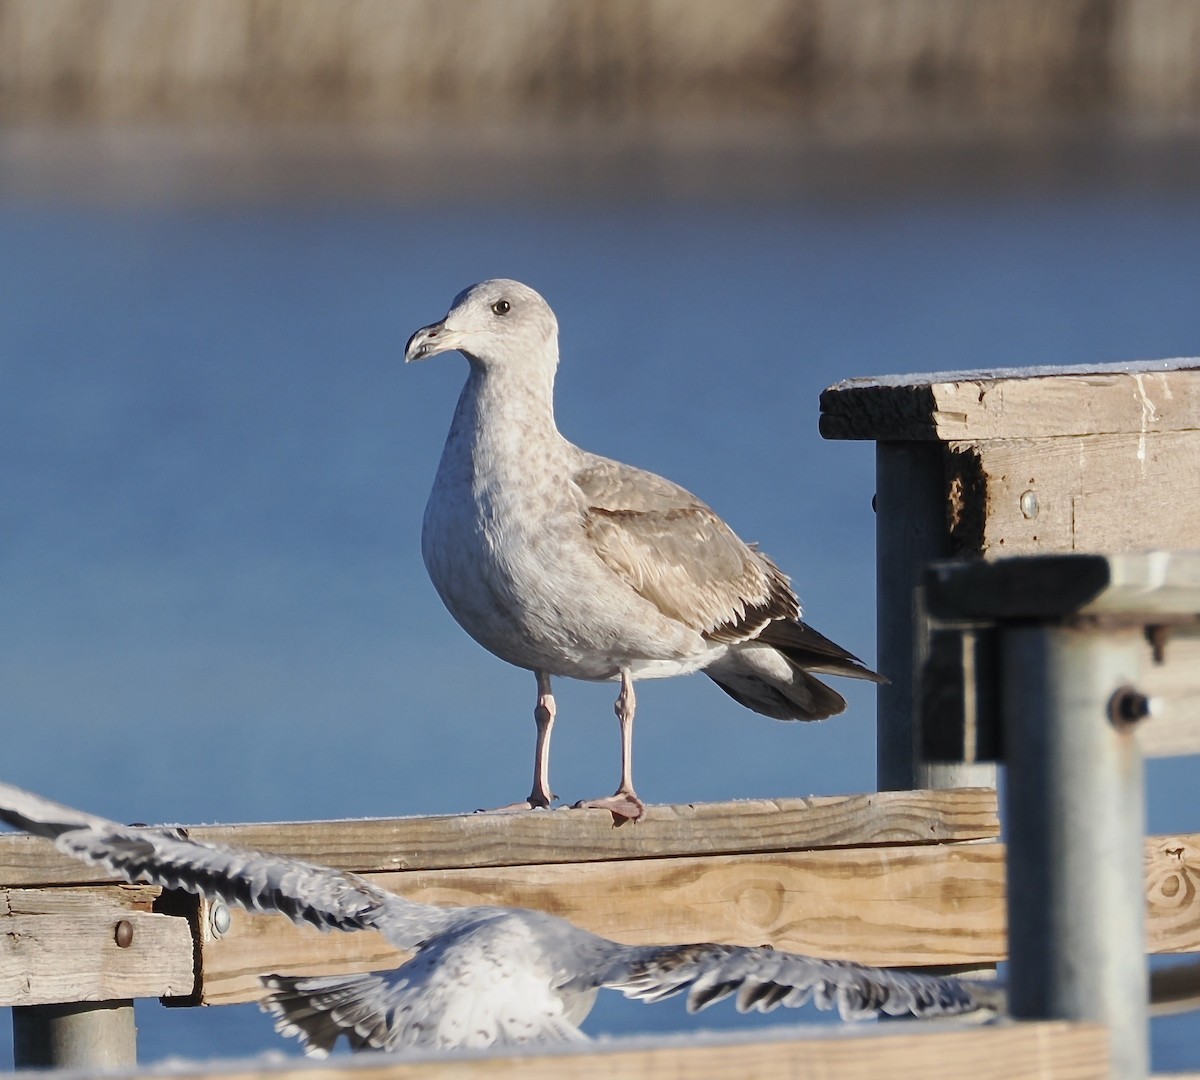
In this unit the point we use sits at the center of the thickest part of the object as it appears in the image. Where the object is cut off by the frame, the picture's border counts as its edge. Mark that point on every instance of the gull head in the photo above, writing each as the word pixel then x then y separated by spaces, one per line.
pixel 495 322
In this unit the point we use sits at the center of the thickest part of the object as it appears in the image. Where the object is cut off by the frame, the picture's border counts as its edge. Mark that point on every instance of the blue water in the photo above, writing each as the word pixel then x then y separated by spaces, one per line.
pixel 215 464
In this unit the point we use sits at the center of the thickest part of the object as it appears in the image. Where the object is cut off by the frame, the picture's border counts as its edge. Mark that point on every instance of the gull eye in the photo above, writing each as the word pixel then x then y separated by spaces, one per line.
pixel 502 307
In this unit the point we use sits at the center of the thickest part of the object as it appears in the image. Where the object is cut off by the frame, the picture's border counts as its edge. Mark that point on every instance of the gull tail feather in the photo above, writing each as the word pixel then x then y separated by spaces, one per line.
pixel 799 696
pixel 813 651
pixel 318 1010
pixel 772 674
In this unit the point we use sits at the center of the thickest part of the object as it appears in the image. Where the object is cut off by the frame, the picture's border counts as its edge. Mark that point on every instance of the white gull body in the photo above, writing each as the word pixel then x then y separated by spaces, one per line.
pixel 567 563
pixel 480 976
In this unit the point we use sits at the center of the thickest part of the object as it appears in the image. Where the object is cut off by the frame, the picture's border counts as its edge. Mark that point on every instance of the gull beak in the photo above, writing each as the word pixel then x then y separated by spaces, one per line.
pixel 429 341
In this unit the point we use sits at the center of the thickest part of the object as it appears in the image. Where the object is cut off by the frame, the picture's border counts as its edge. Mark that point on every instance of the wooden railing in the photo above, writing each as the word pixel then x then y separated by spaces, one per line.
pixel 894 878
pixel 980 466
pixel 902 877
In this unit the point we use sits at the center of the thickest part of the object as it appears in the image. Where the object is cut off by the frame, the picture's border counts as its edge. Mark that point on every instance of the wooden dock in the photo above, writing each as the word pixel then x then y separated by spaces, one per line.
pixel 893 878
pixel 1066 667
pixel 1045 1051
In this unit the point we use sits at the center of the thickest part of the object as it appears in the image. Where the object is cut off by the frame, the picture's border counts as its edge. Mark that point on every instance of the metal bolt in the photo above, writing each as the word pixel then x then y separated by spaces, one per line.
pixel 1127 706
pixel 219 918
pixel 1029 504
pixel 123 934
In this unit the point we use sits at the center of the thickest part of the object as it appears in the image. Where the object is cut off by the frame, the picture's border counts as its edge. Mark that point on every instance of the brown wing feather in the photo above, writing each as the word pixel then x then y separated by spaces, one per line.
pixel 676 552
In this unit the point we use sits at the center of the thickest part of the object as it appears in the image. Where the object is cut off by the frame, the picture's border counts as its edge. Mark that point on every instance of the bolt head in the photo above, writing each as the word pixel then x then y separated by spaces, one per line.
pixel 219 918
pixel 1128 705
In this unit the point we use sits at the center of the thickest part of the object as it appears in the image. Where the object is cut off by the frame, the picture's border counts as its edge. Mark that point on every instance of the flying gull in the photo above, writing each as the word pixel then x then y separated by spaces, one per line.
pixel 480 976
pixel 566 563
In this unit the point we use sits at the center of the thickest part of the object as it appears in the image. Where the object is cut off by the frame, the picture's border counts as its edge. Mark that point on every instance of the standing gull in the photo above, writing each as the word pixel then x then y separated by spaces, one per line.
pixel 480 976
pixel 567 563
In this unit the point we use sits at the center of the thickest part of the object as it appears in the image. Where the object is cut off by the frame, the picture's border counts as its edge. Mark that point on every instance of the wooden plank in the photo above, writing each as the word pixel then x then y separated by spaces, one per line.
pixel 1172 883
pixel 1159 396
pixel 60 945
pixel 900 906
pixel 1052 1050
pixel 905 906
pixel 97 902
pixel 423 843
pixel 1111 493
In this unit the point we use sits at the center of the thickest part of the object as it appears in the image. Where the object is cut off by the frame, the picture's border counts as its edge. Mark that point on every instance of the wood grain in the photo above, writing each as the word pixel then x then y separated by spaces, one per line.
pixel 1053 1050
pixel 60 945
pixel 901 906
pixel 1172 883
pixel 1109 493
pixel 100 902
pixel 573 836
pixel 935 905
pixel 976 407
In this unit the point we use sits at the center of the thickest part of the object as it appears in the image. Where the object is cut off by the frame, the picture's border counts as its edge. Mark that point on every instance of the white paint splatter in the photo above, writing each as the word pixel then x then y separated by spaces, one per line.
pixel 1149 415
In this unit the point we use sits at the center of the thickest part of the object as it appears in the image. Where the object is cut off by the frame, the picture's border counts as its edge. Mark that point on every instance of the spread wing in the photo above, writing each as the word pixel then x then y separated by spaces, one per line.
pixel 305 893
pixel 674 551
pixel 763 978
pixel 485 985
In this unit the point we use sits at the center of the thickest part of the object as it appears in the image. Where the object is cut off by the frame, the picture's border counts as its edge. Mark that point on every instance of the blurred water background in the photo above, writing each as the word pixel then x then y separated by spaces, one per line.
pixel 215 464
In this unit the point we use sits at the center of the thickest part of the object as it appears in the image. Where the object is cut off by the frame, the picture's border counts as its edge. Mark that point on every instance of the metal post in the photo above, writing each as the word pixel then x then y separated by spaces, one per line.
pixel 910 532
pixel 85 1035
pixel 1074 800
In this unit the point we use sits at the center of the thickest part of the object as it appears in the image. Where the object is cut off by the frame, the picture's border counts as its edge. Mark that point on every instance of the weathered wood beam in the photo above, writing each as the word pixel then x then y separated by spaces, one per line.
pixel 1019 461
pixel 1047 1051
pixel 894 906
pixel 900 904
pixel 94 943
pixel 899 907
pixel 1016 403
pixel 573 836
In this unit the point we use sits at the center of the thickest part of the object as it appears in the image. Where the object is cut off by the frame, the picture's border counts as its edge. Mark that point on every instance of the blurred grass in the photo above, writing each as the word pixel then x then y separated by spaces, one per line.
pixel 849 68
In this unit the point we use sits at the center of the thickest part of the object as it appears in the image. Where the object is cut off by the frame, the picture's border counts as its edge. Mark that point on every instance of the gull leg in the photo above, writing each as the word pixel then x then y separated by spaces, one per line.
pixel 624 803
pixel 543 716
pixel 544 712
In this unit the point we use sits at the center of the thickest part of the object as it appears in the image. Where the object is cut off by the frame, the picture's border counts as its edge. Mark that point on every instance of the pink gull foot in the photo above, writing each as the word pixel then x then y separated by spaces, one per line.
pixel 623 805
